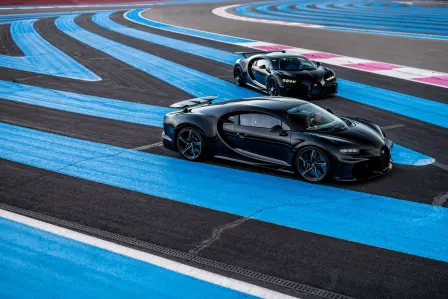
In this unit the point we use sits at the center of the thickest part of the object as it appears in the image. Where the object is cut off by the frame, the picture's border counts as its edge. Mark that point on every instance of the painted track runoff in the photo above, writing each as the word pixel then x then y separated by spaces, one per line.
pixel 88 151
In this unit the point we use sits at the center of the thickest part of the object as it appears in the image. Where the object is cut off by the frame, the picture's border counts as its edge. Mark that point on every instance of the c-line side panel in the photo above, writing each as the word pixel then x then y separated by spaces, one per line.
pixel 42 57
pixel 133 112
pixel 410 106
pixel 182 77
pixel 397 225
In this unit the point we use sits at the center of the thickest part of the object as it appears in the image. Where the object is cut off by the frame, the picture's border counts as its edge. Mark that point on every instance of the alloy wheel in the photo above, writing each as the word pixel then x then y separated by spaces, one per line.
pixel 312 165
pixel 189 143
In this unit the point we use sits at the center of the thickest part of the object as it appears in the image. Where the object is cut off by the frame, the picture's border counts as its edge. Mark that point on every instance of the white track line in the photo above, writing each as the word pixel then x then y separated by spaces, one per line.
pixel 207 276
pixel 381 68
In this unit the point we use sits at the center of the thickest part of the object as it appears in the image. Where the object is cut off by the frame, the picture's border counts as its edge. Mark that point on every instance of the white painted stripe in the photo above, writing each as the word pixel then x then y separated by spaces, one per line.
pixel 400 72
pixel 207 276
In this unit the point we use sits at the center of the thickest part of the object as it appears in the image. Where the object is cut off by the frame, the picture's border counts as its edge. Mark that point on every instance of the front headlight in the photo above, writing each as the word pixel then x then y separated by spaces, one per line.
pixel 332 77
pixel 351 151
pixel 289 81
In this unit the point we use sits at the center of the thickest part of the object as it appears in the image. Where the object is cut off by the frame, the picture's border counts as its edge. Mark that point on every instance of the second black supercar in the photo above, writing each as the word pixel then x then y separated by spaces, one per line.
pixel 280 133
pixel 279 73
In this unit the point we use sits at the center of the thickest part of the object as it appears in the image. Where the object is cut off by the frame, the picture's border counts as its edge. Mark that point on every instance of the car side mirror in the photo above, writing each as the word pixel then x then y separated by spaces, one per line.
pixel 329 110
pixel 276 129
pixel 317 63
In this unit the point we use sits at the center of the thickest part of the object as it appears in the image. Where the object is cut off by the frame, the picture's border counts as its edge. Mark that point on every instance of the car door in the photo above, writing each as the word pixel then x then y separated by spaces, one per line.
pixel 263 137
pixel 226 128
pixel 260 71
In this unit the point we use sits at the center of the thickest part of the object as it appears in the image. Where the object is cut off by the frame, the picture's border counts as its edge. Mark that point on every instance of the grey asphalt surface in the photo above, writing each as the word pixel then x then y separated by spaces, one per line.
pixel 332 264
pixel 414 52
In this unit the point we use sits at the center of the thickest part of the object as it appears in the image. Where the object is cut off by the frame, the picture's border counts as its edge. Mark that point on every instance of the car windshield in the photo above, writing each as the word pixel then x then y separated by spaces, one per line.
pixel 313 117
pixel 292 64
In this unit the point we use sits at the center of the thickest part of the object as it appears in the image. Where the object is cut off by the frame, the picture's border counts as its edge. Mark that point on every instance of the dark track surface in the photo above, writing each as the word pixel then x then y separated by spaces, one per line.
pixel 332 264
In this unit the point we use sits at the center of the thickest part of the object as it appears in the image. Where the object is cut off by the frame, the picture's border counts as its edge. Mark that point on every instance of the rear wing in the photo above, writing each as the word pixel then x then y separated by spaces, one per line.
pixel 194 102
pixel 257 52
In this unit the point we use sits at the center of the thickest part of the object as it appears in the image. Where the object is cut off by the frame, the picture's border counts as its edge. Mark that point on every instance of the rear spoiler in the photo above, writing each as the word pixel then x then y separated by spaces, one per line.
pixel 194 102
pixel 258 52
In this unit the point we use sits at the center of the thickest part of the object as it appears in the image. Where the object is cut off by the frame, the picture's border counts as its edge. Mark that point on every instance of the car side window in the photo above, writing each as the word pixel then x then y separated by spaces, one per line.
pixel 262 62
pixel 259 120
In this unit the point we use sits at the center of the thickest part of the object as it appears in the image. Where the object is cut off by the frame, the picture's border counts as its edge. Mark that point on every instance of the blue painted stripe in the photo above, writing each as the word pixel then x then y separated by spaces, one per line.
pixel 84 104
pixel 42 57
pixel 103 20
pixel 351 17
pixel 379 221
pixel 175 74
pixel 414 107
pixel 265 13
pixel 372 13
pixel 132 112
pixel 50 266
pixel 134 15
pixel 351 21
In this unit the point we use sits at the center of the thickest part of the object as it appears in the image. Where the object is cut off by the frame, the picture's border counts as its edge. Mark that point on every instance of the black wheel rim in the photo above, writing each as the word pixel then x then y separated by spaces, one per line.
pixel 312 165
pixel 189 144
pixel 272 88
pixel 237 76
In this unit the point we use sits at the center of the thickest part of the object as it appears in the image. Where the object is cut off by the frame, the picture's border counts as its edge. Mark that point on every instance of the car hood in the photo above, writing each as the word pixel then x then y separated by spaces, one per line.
pixel 316 75
pixel 357 134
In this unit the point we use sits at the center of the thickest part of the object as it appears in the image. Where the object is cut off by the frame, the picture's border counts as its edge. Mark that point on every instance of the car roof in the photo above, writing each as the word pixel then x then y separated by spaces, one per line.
pixel 275 104
pixel 277 55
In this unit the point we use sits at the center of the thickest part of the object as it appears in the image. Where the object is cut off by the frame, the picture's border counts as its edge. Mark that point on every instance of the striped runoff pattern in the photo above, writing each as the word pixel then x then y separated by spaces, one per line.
pixel 380 17
pixel 50 79
pixel 381 68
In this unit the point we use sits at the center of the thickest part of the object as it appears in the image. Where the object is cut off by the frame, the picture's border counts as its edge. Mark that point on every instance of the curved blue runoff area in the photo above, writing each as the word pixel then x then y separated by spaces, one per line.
pixel 133 112
pixel 182 77
pixel 84 104
pixel 385 222
pixel 103 19
pixel 46 265
pixel 395 20
pixel 42 57
pixel 134 15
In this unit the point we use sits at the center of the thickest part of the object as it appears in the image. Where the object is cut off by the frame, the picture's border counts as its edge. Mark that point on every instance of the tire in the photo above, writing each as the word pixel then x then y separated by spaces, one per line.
pixel 190 144
pixel 238 76
pixel 272 87
pixel 313 169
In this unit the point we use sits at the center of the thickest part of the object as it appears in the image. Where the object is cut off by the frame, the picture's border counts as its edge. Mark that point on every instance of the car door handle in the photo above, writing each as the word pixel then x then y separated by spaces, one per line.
pixel 241 135
pixel 283 134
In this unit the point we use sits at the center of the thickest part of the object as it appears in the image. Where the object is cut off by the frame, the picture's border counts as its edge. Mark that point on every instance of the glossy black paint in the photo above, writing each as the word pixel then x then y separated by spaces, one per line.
pixel 277 147
pixel 310 83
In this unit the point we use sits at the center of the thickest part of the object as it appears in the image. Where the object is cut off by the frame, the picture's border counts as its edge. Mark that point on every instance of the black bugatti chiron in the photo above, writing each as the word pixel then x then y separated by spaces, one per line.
pixel 279 133
pixel 279 73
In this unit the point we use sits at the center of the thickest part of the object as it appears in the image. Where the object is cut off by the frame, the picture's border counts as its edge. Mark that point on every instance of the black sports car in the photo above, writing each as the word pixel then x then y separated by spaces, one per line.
pixel 280 133
pixel 279 73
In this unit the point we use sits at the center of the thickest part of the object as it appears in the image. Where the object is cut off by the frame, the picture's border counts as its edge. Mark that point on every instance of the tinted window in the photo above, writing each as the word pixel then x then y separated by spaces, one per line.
pixel 259 120
pixel 261 62
pixel 313 117
pixel 293 64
